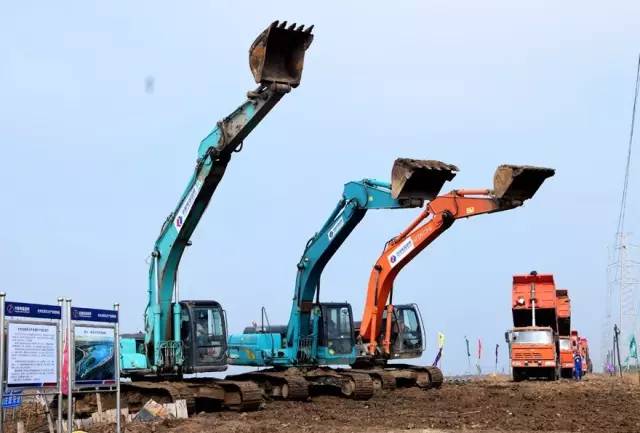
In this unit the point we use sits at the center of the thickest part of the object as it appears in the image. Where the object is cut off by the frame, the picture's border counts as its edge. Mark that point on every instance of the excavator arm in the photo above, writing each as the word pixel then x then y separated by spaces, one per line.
pixel 357 199
pixel 512 186
pixel 424 182
pixel 276 61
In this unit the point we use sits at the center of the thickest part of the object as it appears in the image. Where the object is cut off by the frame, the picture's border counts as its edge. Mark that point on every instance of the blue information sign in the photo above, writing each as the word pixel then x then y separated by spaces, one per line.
pixel 38 311
pixel 94 315
pixel 12 399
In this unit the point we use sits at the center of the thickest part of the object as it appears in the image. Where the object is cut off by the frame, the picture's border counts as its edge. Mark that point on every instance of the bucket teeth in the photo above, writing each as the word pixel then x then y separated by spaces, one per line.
pixel 292 26
pixel 518 183
pixel 299 29
pixel 282 26
pixel 309 29
pixel 419 178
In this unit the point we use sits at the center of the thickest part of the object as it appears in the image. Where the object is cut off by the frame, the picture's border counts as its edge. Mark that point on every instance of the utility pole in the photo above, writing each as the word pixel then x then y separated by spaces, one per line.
pixel 616 348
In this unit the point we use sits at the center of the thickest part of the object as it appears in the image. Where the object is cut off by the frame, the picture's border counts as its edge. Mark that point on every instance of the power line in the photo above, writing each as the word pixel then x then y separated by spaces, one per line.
pixel 623 201
pixel 618 268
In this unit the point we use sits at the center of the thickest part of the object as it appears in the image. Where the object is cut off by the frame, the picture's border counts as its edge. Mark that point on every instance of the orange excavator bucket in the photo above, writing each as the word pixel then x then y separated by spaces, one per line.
pixel 518 183
pixel 419 178
pixel 277 54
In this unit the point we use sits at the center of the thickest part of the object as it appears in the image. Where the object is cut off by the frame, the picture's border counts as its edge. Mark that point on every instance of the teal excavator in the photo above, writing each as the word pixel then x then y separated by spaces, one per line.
pixel 189 336
pixel 321 334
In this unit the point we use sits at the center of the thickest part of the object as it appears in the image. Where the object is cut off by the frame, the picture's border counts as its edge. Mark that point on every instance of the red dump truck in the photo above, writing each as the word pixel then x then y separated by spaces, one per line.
pixel 533 340
pixel 565 348
pixel 583 345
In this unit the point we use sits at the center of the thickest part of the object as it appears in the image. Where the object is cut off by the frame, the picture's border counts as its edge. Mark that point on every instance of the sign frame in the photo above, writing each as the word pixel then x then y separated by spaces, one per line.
pixel 38 314
pixel 93 384
pixel 44 386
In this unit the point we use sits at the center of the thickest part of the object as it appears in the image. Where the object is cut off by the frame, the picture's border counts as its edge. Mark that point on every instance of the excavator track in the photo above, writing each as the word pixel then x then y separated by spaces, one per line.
pixel 436 376
pixel 297 383
pixel 406 375
pixel 359 387
pixel 200 394
pixel 277 384
pixel 382 380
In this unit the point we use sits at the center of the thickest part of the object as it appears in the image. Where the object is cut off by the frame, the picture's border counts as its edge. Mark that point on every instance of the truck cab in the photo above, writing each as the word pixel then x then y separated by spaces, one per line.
pixel 533 352
pixel 565 350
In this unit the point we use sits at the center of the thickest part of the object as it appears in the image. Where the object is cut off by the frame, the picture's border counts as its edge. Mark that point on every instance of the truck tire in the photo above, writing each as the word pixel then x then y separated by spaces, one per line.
pixel 566 373
pixel 518 374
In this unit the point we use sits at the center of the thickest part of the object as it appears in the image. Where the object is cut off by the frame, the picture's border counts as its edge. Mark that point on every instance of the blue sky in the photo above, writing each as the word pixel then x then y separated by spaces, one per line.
pixel 91 165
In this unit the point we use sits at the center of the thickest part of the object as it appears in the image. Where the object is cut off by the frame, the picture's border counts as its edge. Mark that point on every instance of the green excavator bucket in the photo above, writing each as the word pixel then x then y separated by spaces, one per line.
pixel 277 54
pixel 419 178
pixel 519 182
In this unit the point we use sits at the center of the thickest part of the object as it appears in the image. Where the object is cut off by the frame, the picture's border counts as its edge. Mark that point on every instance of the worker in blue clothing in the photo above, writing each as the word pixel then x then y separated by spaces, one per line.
pixel 577 365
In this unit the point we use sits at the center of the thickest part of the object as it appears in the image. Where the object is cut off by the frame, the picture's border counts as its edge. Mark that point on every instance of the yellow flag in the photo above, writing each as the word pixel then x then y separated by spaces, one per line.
pixel 440 340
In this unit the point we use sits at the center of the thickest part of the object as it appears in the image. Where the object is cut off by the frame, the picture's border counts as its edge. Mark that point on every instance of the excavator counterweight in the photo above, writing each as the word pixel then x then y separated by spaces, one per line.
pixel 517 183
pixel 277 54
pixel 419 178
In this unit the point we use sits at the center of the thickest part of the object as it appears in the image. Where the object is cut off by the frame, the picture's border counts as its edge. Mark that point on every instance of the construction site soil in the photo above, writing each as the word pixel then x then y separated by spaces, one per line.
pixel 596 404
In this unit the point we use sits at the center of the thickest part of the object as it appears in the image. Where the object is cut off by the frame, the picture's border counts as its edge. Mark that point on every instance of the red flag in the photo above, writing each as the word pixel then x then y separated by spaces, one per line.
pixel 479 348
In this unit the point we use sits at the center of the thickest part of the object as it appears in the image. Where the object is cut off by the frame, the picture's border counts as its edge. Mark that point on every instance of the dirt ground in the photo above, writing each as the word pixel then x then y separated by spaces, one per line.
pixel 597 404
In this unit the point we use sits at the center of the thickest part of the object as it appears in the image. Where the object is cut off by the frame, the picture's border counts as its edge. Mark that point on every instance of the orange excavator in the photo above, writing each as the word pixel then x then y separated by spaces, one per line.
pixel 390 332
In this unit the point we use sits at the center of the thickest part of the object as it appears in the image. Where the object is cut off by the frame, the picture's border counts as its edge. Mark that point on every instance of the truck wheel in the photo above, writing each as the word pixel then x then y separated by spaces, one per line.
pixel 518 375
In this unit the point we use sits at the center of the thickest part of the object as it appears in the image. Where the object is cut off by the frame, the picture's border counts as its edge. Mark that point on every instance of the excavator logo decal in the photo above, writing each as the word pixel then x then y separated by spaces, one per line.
pixel 336 228
pixel 187 205
pixel 405 248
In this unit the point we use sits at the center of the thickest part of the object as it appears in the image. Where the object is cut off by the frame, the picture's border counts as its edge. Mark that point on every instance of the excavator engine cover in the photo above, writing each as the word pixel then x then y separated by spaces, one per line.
pixel 419 178
pixel 519 182
pixel 277 55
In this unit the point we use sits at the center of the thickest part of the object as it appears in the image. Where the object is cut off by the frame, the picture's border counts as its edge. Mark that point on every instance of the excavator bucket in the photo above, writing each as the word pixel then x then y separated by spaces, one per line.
pixel 419 178
pixel 277 55
pixel 519 182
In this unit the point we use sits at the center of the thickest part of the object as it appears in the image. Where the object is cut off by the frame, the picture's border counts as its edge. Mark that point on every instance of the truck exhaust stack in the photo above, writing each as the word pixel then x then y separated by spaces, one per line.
pixel 277 54
pixel 419 178
pixel 517 183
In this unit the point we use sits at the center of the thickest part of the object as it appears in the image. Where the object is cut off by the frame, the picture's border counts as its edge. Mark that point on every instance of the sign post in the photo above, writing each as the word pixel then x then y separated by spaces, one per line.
pixel 59 423
pixel 69 367
pixel 2 302
pixel 116 307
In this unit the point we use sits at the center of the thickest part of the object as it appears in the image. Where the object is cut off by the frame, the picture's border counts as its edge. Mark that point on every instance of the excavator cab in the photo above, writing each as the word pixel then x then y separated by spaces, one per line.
pixel 335 331
pixel 407 336
pixel 203 330
pixel 277 54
